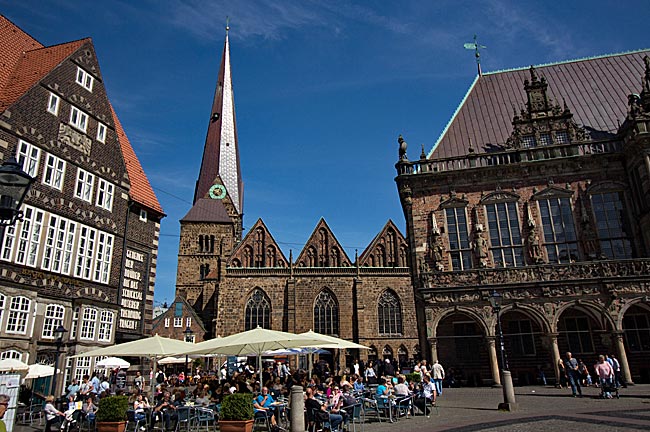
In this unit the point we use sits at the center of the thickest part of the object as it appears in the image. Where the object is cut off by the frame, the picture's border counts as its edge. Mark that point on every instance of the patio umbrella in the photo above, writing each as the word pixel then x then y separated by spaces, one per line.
pixel 38 370
pixel 113 363
pixel 171 360
pixel 330 342
pixel 12 365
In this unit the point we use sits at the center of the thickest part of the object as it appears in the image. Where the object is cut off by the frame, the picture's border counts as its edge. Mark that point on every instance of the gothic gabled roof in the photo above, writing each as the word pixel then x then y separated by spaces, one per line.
pixel 221 149
pixel 258 249
pixel 595 90
pixel 384 250
pixel 323 249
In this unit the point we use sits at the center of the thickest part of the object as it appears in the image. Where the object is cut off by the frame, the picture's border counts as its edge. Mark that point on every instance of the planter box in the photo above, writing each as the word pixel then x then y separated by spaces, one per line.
pixel 111 426
pixel 235 425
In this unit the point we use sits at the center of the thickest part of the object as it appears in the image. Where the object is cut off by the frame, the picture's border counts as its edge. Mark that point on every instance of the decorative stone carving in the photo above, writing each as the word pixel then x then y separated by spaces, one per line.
pixel 424 274
pixel 402 148
pixel 436 248
pixel 480 246
pixel 68 135
pixel 535 253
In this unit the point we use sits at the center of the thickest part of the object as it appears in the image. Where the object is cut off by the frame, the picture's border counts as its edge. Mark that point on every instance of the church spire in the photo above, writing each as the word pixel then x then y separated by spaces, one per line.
pixel 221 150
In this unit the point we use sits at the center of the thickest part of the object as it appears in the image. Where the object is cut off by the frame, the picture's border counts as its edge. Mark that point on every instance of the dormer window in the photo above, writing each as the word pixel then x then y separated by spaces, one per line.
pixel 84 79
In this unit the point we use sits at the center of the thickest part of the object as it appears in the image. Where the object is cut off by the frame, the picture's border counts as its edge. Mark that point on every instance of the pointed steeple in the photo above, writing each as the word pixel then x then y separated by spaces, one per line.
pixel 221 150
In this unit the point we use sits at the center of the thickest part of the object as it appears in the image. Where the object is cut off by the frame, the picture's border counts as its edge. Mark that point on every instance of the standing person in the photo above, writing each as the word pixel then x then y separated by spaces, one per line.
pixel 138 381
pixel 389 369
pixel 96 384
pixel 573 374
pixel 52 415
pixel 618 377
pixel 356 367
pixel 4 402
pixel 73 388
pixel 605 375
pixel 438 375
pixel 371 376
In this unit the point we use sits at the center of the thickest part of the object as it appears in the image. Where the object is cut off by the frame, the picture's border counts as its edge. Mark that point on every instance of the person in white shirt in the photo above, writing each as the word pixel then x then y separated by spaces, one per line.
pixel 438 374
pixel 428 394
pixel 356 367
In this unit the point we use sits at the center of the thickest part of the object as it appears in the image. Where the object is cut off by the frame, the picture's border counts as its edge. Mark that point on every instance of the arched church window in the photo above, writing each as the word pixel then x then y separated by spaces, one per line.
pixel 211 244
pixel 389 314
pixel 381 256
pixel 335 258
pixel 311 257
pixel 270 256
pixel 258 310
pixel 392 252
pixel 200 243
pixel 247 256
pixel 326 314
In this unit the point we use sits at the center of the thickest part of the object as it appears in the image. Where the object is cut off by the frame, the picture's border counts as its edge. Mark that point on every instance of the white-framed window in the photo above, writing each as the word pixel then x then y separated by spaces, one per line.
pixel 3 302
pixel 105 326
pixel 67 372
pixel 75 323
pixel 105 191
pixel 88 323
pixel 84 188
pixel 59 242
pixel 188 322
pixel 54 172
pixel 28 156
pixel 85 252
pixel 78 119
pixel 53 104
pixel 103 257
pixel 101 132
pixel 143 215
pixel 84 79
pixel 178 321
pixel 54 315
pixel 191 338
pixel 166 322
pixel 18 315
pixel 8 243
pixel 27 243
pixel 11 354
pixel 82 368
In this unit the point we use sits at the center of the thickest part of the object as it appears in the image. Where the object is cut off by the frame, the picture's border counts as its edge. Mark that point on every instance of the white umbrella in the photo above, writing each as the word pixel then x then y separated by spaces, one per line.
pixel 12 365
pixel 171 360
pixel 38 370
pixel 330 342
pixel 113 363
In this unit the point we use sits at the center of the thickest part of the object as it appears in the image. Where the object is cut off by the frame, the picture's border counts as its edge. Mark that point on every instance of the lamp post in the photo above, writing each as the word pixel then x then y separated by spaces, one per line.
pixel 188 338
pixel 509 403
pixel 14 185
pixel 58 333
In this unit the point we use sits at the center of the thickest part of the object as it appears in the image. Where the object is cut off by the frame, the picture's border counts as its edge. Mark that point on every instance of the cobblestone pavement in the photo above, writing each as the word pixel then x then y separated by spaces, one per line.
pixel 541 409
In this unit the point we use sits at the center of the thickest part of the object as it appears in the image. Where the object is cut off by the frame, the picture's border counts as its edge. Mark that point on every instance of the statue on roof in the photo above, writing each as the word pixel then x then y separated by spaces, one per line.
pixel 402 148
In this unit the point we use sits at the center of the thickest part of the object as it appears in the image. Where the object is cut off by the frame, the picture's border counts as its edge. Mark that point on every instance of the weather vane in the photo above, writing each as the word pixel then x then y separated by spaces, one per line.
pixel 228 24
pixel 476 47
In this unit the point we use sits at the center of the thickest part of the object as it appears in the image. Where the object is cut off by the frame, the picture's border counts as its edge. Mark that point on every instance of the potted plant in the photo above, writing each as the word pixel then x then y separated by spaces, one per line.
pixel 111 414
pixel 236 413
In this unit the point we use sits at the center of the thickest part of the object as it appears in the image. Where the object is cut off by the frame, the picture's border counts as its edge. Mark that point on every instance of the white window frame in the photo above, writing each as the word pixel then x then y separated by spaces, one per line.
pixel 11 354
pixel 101 132
pixel 88 324
pixel 166 322
pixel 54 316
pixel 178 322
pixel 58 245
pixel 28 156
pixel 54 172
pixel 103 257
pixel 53 104
pixel 84 185
pixel 188 322
pixel 3 303
pixel 18 316
pixel 78 119
pixel 106 318
pixel 82 368
pixel 28 237
pixel 84 79
pixel 85 252
pixel 105 193
pixel 143 215
pixel 75 324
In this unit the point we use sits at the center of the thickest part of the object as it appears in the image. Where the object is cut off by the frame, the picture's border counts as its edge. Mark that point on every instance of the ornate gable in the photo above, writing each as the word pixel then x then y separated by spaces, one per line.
pixel 387 249
pixel 542 122
pixel 323 249
pixel 552 191
pixel 258 249
pixel 499 196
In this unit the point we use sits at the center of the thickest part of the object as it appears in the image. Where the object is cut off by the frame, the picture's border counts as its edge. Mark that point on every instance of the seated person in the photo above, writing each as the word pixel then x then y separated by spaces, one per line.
pixel 336 401
pixel 382 388
pixel 52 415
pixel 427 395
pixel 139 406
pixel 318 412
pixel 71 414
pixel 401 390
pixel 264 408
pixel 358 385
pixel 165 410
pixel 89 409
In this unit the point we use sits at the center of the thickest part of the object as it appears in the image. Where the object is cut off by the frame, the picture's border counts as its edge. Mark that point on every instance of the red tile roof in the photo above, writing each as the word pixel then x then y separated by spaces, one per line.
pixel 141 191
pixel 595 90
pixel 13 44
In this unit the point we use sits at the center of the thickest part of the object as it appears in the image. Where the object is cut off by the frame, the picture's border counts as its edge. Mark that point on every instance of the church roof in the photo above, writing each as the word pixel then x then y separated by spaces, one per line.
pixel 207 210
pixel 595 90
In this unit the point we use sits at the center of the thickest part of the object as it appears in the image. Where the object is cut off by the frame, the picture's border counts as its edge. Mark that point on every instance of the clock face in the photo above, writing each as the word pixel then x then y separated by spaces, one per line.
pixel 217 192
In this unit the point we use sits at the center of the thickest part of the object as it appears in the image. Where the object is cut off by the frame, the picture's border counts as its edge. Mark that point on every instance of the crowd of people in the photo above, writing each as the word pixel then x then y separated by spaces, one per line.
pixel 574 373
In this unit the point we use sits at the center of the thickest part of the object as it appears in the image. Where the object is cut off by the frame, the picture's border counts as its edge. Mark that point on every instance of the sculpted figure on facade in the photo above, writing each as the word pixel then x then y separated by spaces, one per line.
pixel 424 274
pixel 534 248
pixel 480 246
pixel 437 251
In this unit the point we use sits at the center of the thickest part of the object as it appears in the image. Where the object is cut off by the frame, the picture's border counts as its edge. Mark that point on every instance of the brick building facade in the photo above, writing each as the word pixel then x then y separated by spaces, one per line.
pixel 236 283
pixel 548 206
pixel 84 254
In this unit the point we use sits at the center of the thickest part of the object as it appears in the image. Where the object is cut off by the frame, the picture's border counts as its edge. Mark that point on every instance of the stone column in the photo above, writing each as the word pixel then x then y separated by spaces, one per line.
pixel 434 349
pixel 494 364
pixel 622 358
pixel 297 409
pixel 555 353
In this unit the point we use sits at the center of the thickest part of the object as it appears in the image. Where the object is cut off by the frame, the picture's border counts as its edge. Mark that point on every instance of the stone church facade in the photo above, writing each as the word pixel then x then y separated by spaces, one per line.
pixel 548 205
pixel 237 282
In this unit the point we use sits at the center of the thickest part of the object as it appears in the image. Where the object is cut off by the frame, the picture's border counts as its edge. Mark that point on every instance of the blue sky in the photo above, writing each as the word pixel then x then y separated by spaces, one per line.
pixel 322 91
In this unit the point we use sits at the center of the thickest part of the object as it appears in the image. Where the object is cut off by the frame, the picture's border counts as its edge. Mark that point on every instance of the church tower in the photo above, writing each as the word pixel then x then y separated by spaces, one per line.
pixel 213 226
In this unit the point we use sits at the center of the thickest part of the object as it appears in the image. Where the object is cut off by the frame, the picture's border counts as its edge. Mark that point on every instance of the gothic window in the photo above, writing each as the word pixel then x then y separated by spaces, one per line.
pixel 459 245
pixel 259 248
pixel 311 257
pixel 258 311
pixel 326 314
pixel 322 247
pixel 204 271
pixel 403 257
pixel 578 334
pixel 610 222
pixel 637 331
pixel 389 313
pixel 505 236
pixel 270 257
pixel 402 355
pixel 54 315
pixel 381 256
pixel 247 256
pixel 559 230
pixel 335 258
pixel 236 263
pixel 391 249
pixel 521 337
pixel 211 244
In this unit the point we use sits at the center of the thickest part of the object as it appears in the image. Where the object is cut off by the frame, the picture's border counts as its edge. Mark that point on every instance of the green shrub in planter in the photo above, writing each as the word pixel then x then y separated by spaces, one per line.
pixel 415 376
pixel 237 406
pixel 112 409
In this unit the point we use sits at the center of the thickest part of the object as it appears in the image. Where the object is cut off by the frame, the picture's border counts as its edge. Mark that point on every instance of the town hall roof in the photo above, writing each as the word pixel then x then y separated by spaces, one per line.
pixel 594 89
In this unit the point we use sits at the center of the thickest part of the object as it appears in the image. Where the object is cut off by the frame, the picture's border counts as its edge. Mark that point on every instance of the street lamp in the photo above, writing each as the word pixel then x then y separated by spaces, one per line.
pixel 509 403
pixel 188 338
pixel 58 334
pixel 14 184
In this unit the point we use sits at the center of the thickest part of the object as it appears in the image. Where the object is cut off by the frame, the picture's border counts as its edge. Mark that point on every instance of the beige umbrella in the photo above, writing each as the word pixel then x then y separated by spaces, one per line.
pixel 12 365
pixel 38 370
pixel 113 363
pixel 329 342
pixel 171 360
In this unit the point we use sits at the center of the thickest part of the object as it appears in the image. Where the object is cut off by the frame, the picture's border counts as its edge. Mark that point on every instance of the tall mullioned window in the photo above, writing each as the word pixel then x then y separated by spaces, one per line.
pixel 505 235
pixel 258 311
pixel 54 315
pixel 610 223
pixel 559 230
pixel 459 245
pixel 389 314
pixel 326 314
pixel 18 315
